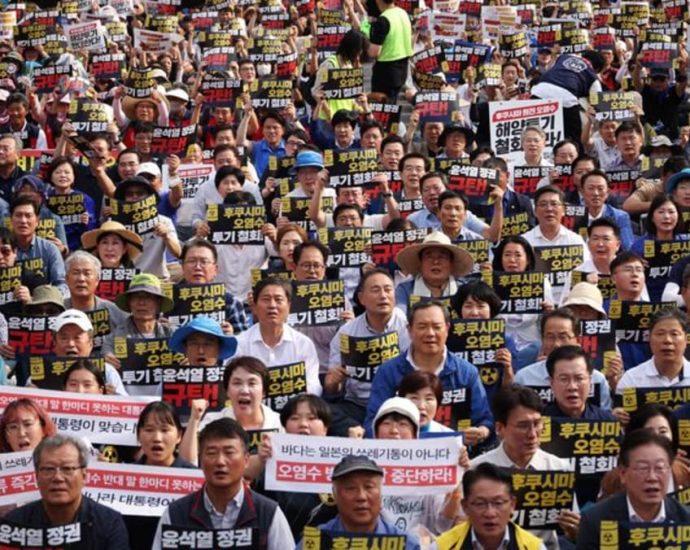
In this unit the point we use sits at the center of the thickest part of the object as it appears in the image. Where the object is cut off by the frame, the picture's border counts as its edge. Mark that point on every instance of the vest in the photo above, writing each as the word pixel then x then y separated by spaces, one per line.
pixel 336 105
pixel 398 42
pixel 571 73
pixel 256 512
pixel 459 538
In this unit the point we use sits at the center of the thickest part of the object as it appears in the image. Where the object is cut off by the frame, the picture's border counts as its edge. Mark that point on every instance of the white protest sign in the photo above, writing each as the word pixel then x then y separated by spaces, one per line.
pixel 304 464
pixel 86 36
pixel 154 41
pixel 509 118
pixel 192 176
pixel 108 419
pixel 17 480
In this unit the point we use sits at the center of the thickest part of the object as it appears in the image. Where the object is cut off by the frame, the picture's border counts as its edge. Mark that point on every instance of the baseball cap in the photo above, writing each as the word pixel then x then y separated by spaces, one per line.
pixel 355 463
pixel 73 317
pixel 149 168
pixel 399 405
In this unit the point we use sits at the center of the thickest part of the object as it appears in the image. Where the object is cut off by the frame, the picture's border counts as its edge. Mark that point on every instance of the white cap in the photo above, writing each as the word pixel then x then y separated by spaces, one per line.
pixel 73 317
pixel 4 94
pixel 177 93
pixel 400 405
pixel 149 168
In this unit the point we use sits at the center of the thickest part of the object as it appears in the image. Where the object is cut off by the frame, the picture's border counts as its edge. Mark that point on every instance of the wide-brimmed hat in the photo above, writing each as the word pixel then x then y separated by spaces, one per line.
pixel 355 463
pixel 133 242
pixel 129 103
pixel 675 179
pixel 586 294
pixel 144 282
pixel 228 344
pixel 455 127
pixel 409 258
pixel 34 181
pixel 400 405
pixel 177 93
pixel 139 181
pixel 662 141
pixel 307 159
pixel 46 294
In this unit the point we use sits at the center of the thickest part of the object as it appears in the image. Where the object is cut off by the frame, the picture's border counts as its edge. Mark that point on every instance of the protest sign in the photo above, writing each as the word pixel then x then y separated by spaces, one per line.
pixel 362 356
pixel 475 182
pixel 429 61
pixel 604 282
pixel 285 382
pixel 114 281
pixel 184 384
pixel 489 74
pixel 385 245
pixel 673 397
pixel 207 300
pixel 513 45
pixel 660 257
pixel 142 360
pixel 172 141
pixel 455 409
pixel 557 261
pixel 343 83
pixel 387 114
pixel 69 207
pixel 347 245
pixel 271 93
pixel 317 303
pixel 192 176
pixel 508 119
pixel 350 168
pixel 477 341
pixel 519 292
pixel 108 66
pixel 236 224
pixel 140 217
pixel 10 279
pixel 321 539
pixel 192 538
pixel 463 55
pixel 75 536
pixel 616 106
pixel 622 183
pixel 88 36
pixel 140 83
pixel 304 464
pixel 216 59
pixel 616 535
pixel 541 496
pixel 296 210
pixel 48 372
pixel 221 92
pixel 604 38
pixel 107 419
pixel 45 79
pixel 329 36
pixel 631 319
pixel 526 178
pixel 436 106
pixel 658 55
pixel 30 335
pixel 598 339
pixel 88 116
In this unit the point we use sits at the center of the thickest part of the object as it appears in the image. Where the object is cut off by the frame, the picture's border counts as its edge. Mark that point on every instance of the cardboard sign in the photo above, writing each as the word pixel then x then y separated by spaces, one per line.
pixel 350 168
pixel 143 360
pixel 347 245
pixel 344 83
pixel 140 217
pixel 519 292
pixel 385 245
pixel 285 382
pixel 181 385
pixel 114 281
pixel 236 224
pixel 194 300
pixel 221 92
pixel 317 303
pixel 541 496
pixel 557 261
pixel 304 465
pixel 362 356
pixel 631 319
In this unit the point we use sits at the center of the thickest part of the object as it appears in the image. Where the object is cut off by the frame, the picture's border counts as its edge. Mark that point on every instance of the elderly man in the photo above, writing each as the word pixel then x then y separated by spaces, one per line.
pixel 224 502
pixel 645 464
pixel 10 149
pixel 357 484
pixel 428 326
pixel 60 463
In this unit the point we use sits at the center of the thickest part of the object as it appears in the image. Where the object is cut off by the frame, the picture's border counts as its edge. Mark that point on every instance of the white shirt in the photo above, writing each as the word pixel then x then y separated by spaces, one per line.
pixel 207 193
pixel 152 259
pixel 646 375
pixel 634 518
pixel 235 264
pixel 292 348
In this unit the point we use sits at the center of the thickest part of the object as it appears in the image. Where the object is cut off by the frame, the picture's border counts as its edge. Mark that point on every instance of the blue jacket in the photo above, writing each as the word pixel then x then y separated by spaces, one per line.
pixel 622 220
pixel 456 374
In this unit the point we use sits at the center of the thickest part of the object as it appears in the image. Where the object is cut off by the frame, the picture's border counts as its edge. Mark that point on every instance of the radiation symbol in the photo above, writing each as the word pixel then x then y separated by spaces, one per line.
pixel 110 454
pixel 489 375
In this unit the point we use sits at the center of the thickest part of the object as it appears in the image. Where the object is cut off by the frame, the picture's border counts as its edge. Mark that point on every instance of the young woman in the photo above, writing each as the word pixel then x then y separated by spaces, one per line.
pixel 288 237
pixel 84 377
pixel 23 426
pixel 159 432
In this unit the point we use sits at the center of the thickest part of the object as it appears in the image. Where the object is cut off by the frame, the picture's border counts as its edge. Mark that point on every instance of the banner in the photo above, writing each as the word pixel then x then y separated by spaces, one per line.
pixel 541 496
pixel 193 300
pixel 236 224
pixel 48 372
pixel 519 292
pixel 508 119
pixel 181 385
pixel 109 419
pixel 190 538
pixel 317 303
pixel 344 83
pixel 285 382
pixel 143 360
pixel 114 281
pixel 557 261
pixel 417 467
pixel 362 356
pixel 347 246
pixel 140 217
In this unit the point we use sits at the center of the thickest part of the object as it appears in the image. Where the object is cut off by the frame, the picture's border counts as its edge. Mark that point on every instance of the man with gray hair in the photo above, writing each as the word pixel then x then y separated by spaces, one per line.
pixel 10 149
pixel 83 271
pixel 60 463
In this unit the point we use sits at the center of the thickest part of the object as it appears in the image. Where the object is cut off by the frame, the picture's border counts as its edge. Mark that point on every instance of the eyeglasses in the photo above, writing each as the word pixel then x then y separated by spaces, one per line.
pixel 527 427
pixel 311 266
pixel 203 262
pixel 646 469
pixel 629 270
pixel 52 471
pixel 15 427
pixel 601 239
pixel 565 381
pixel 483 505
pixel 562 337
pixel 549 204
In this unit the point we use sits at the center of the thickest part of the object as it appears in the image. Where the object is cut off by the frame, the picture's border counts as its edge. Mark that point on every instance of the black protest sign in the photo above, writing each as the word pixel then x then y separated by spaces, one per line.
pixel 471 7
pixel 343 83
pixel 429 61
pixel 475 182
pixel 631 319
pixel 271 93
pixel 616 106
pixel 296 209
pixel 546 394
pixel 100 319
pixel 108 66
pixel 274 17
pixel 48 372
pixel 30 335
pixel 604 38
pixel 576 219
pixel 658 55
pixel 328 37
pixel 142 360
pixel 46 78
pixel 182 385
pixel 598 339
pixel 604 282
pixel 541 497
pixel 236 224
pixel 280 167
pixel 261 274
pixel 563 179
pixel 526 178
pixel 513 45
pixel 264 50
pixel 114 281
pixel 673 397
pixel 172 141
pixel 140 217
pixel 350 168
pixel 75 536
pixel 463 55
pixel 387 114
pixel 489 74
pixel 286 65
pixel 479 249
pixel 88 116
pixel 317 303
pixel 204 20
pixel 212 40
pixel 285 382
pixel 622 183
pixel 68 207
pixel 194 300
pixel 317 539
pixel 347 245
pixel 527 13
pixel 477 341
pixel 436 106
pixel 455 409
pixel 557 261
pixel 385 245
pixel 574 40
pixel 549 35
pixel 173 536
pixel 217 59
pixel 428 81
pixel 361 356
pixel 515 224
pixel 255 437
pixel 661 256
pixel 140 83
pixel 221 92
pixel 519 292
pixel 675 10
pixel 10 279
pixel 615 535
pixel 163 23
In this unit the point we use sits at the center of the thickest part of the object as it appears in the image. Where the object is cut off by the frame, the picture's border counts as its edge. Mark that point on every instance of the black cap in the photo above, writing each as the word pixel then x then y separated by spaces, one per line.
pixel 132 182
pixel 355 463
pixel 456 127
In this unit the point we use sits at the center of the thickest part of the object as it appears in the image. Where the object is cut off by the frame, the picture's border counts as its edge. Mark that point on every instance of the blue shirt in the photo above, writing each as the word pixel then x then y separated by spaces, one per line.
pixel 260 153
pixel 53 265
pixel 425 218
pixel 382 528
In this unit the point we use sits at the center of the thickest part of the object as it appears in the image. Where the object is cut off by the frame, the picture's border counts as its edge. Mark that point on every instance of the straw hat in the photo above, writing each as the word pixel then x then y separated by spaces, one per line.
pixel 586 294
pixel 129 103
pixel 409 258
pixel 89 240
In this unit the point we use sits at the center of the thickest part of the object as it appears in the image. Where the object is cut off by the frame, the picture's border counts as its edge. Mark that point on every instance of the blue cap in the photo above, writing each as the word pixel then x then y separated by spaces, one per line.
pixel 307 159
pixel 37 183
pixel 228 344
pixel 675 179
